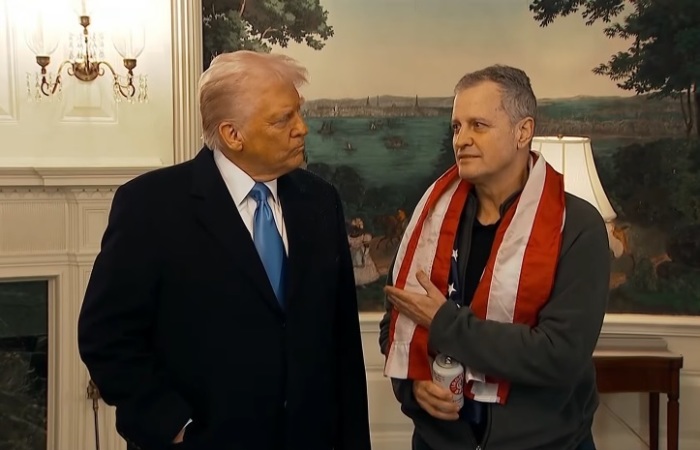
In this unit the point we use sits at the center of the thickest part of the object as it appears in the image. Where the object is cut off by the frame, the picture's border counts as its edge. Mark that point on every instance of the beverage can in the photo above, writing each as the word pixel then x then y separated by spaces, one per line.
pixel 449 373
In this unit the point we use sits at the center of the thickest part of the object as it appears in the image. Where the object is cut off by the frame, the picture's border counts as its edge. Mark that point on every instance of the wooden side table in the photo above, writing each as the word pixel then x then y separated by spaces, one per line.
pixel 653 372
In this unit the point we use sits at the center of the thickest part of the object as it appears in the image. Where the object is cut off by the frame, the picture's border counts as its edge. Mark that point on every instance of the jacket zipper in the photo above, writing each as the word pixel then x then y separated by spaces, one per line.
pixel 487 431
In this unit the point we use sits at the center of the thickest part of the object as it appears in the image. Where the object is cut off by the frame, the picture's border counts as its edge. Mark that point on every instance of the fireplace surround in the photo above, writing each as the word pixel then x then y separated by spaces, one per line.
pixel 50 234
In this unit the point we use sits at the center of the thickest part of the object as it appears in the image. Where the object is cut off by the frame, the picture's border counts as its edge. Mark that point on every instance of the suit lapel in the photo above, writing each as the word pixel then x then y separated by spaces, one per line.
pixel 299 217
pixel 217 213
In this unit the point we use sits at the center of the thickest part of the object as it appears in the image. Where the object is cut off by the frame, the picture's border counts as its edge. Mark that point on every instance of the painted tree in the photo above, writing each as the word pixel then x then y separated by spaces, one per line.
pixel 663 59
pixel 231 25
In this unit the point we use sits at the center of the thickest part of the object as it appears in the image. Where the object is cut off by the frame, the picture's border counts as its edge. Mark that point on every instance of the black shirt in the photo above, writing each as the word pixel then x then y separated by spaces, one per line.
pixel 479 251
pixel 482 241
pixel 461 290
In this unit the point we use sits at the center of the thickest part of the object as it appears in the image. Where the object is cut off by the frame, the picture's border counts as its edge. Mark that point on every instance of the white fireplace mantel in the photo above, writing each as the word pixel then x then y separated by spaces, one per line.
pixel 51 225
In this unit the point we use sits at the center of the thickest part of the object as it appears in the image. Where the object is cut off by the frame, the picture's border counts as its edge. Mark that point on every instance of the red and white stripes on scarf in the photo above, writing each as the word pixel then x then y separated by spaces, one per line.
pixel 517 279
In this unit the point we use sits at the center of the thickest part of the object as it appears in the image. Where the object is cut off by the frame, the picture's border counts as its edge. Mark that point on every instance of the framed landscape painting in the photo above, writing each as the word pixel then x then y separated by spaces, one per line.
pixel 624 74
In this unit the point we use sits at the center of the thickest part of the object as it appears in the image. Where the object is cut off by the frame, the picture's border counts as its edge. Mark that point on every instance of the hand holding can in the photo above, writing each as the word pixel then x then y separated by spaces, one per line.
pixel 449 374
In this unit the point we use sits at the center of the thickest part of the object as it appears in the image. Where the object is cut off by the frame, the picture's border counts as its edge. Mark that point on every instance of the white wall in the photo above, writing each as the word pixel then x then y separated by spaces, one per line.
pixel 86 128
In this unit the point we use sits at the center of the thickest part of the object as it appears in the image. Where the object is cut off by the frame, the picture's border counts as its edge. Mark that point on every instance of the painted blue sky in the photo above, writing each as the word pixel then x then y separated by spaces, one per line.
pixel 422 47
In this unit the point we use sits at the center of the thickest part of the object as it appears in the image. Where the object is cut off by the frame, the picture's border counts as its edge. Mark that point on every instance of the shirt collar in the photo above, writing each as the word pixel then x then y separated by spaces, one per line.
pixel 237 181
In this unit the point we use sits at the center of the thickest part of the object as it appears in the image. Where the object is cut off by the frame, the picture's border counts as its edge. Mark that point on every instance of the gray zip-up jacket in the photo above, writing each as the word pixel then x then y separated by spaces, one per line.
pixel 553 394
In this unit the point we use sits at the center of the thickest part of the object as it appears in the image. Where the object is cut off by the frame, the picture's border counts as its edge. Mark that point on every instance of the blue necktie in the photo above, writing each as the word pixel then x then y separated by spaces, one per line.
pixel 268 240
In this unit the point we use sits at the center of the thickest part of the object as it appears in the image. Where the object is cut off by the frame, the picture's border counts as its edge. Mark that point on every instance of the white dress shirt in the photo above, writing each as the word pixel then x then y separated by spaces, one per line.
pixel 239 185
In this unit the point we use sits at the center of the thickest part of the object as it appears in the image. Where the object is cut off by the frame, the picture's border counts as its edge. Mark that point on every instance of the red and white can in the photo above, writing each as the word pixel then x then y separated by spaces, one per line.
pixel 449 374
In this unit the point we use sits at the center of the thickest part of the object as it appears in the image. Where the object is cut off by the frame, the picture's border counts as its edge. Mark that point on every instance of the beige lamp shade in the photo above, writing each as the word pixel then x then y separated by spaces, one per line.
pixel 573 158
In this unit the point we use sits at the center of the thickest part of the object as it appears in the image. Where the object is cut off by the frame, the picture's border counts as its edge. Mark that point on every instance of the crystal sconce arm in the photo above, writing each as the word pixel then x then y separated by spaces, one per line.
pixel 128 89
pixel 49 87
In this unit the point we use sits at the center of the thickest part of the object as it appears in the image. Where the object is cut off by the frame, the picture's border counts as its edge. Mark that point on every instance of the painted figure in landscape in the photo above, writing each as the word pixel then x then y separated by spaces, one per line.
pixel 378 106
pixel 364 268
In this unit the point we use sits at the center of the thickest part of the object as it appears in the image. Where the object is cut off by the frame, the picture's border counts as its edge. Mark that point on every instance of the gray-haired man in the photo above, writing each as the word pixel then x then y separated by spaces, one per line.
pixel 516 287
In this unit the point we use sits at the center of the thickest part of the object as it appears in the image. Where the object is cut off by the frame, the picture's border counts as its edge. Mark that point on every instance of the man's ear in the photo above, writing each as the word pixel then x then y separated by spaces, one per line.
pixel 525 132
pixel 231 136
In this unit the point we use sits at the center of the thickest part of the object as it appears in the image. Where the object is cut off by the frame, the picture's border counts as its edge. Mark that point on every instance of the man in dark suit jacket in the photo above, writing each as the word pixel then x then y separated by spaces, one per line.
pixel 221 311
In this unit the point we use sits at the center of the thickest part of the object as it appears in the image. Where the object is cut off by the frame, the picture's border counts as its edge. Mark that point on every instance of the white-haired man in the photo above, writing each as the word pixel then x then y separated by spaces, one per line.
pixel 221 311
pixel 504 272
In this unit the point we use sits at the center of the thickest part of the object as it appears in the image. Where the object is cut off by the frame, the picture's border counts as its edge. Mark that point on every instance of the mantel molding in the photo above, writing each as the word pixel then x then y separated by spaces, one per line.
pixel 69 176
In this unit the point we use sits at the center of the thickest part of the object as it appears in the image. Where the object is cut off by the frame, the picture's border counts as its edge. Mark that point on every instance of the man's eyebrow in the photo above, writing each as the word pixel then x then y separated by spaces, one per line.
pixel 472 119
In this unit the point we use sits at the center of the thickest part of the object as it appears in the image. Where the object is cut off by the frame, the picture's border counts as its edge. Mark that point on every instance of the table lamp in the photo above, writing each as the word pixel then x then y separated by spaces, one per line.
pixel 572 156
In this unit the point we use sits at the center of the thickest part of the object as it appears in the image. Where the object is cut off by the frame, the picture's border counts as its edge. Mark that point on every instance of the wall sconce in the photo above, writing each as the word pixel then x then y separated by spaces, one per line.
pixel 86 61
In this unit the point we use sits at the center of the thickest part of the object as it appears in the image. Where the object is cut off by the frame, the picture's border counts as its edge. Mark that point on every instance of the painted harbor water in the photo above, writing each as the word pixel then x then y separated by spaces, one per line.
pixel 355 145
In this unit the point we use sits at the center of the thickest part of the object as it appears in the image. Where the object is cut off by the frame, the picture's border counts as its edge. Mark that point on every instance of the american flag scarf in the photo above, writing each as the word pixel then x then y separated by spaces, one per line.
pixel 516 281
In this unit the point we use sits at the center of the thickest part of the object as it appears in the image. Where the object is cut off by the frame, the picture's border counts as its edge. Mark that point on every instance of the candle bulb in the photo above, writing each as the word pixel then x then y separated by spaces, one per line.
pixel 40 35
pixel 82 7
